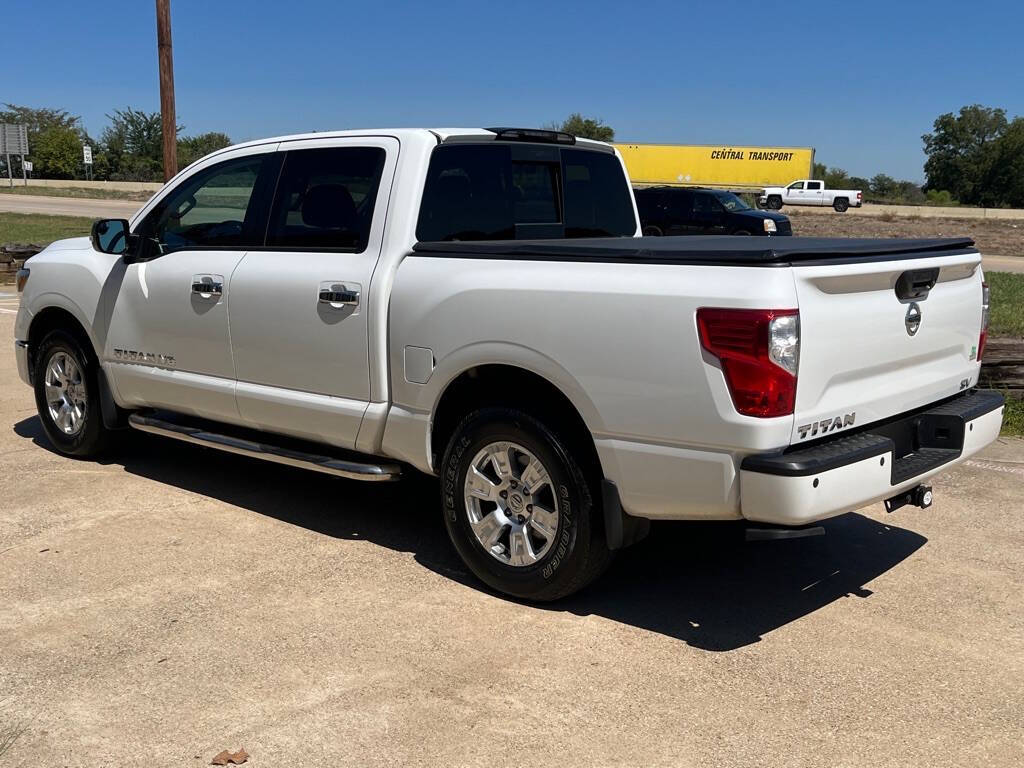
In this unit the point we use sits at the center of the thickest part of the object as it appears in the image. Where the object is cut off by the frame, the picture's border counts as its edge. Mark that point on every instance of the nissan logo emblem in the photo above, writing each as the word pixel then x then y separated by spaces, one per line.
pixel 913 319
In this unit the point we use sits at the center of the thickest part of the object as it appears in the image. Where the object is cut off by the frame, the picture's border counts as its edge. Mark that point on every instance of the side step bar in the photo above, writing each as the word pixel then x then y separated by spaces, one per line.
pixel 347 468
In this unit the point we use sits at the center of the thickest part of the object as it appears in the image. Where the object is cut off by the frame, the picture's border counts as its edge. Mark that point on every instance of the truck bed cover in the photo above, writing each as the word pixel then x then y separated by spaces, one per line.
pixel 710 250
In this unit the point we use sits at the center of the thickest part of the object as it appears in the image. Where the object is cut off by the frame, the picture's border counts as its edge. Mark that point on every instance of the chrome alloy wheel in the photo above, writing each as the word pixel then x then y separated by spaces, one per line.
pixel 66 394
pixel 511 504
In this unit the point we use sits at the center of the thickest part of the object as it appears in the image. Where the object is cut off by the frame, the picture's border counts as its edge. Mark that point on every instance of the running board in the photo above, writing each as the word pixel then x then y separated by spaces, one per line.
pixel 331 465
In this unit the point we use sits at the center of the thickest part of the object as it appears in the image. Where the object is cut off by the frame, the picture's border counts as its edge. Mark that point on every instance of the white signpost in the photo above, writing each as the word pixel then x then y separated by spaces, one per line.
pixel 87 159
pixel 14 141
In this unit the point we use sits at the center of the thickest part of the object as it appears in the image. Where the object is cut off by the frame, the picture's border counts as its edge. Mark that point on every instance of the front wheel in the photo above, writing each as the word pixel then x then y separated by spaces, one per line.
pixel 841 204
pixel 518 507
pixel 775 203
pixel 67 396
pixel 652 231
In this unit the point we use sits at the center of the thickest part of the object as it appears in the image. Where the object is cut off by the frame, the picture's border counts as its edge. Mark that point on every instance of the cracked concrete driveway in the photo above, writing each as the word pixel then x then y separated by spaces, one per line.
pixel 169 603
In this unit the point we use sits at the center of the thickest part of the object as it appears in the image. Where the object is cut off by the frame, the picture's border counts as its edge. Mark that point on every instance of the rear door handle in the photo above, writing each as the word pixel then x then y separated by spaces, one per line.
pixel 338 295
pixel 208 286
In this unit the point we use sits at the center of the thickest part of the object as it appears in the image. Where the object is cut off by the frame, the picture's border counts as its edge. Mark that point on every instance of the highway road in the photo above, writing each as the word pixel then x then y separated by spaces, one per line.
pixel 68 206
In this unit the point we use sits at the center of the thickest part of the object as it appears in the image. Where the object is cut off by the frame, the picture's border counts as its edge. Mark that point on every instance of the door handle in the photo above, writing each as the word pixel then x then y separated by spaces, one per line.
pixel 338 297
pixel 207 286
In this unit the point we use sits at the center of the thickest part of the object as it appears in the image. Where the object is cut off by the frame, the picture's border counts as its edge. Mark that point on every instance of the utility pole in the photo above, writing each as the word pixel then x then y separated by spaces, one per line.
pixel 169 123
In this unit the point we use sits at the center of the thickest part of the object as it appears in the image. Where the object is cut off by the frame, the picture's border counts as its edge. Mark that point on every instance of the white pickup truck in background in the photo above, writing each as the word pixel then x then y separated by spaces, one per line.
pixel 477 305
pixel 810 192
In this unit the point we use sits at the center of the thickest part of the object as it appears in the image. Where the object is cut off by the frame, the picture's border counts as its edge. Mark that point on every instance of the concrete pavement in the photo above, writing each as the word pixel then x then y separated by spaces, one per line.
pixel 68 206
pixel 1003 264
pixel 169 602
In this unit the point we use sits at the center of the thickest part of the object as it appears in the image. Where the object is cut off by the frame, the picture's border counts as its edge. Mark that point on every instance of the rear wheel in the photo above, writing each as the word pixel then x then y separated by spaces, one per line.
pixel 519 508
pixel 775 203
pixel 67 396
pixel 841 204
pixel 652 231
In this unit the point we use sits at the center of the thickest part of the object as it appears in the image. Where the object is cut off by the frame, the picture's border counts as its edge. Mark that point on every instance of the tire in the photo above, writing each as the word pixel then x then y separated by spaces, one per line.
pixel 73 422
pixel 521 561
pixel 652 232
pixel 741 232
pixel 840 204
pixel 775 203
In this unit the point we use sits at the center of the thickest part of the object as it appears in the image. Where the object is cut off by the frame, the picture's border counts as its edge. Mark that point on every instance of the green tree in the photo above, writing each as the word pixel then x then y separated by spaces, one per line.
pixel 50 133
pixel 818 170
pixel 963 154
pixel 58 152
pixel 883 186
pixel 132 145
pixel 585 127
pixel 1008 176
pixel 192 148
pixel 835 178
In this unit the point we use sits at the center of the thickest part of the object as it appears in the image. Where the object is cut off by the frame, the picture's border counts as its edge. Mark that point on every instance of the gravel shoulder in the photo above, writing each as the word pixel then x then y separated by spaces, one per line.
pixel 1004 237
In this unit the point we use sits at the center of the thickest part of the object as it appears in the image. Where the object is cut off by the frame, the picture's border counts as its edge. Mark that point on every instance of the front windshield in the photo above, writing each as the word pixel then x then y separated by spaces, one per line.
pixel 731 201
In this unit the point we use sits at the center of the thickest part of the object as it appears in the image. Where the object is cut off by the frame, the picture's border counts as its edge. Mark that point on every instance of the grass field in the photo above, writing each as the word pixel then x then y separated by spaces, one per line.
pixel 1006 316
pixel 93 193
pixel 40 229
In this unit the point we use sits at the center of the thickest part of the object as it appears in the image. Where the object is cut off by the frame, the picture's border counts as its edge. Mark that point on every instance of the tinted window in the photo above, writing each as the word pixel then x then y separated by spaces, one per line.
pixel 468 194
pixel 814 185
pixel 680 205
pixel 647 203
pixel 479 192
pixel 535 193
pixel 325 198
pixel 705 203
pixel 214 208
pixel 597 199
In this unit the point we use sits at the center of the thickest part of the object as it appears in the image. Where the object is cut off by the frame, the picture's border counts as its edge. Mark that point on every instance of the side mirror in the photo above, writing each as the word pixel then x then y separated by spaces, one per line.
pixel 110 236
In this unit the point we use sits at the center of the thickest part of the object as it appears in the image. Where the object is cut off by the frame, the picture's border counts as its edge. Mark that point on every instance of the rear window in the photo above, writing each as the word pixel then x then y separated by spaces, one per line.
pixel 325 198
pixel 502 191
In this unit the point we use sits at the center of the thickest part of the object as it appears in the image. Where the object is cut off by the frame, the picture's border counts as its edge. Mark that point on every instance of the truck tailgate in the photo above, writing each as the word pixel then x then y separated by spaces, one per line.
pixel 872 347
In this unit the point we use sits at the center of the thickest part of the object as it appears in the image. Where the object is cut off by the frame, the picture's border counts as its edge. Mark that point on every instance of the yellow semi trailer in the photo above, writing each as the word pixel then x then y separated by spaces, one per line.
pixel 726 167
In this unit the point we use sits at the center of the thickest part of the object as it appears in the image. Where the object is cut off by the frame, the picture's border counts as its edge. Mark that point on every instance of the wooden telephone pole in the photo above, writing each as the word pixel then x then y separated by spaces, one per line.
pixel 168 121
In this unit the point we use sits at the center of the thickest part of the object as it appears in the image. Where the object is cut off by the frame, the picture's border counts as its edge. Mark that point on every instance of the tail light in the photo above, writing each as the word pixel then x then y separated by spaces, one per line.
pixel 984 321
pixel 759 350
pixel 860 195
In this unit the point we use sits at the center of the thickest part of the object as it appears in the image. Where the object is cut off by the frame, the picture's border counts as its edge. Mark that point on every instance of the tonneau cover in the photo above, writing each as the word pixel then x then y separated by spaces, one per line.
pixel 721 250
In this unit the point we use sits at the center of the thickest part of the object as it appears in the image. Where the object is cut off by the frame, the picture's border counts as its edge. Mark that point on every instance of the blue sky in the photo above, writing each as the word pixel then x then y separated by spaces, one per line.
pixel 859 81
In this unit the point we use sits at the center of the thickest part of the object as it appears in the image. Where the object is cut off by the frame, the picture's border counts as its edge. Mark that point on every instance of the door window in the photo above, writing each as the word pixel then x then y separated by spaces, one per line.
pixel 813 185
pixel 325 198
pixel 795 186
pixel 215 208
pixel 680 206
pixel 705 205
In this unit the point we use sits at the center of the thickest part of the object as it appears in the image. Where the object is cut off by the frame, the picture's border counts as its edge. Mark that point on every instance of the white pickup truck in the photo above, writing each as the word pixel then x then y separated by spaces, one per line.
pixel 810 192
pixel 477 305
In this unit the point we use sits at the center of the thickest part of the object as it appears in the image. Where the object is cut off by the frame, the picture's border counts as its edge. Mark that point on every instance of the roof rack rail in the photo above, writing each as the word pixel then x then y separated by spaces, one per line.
pixel 534 134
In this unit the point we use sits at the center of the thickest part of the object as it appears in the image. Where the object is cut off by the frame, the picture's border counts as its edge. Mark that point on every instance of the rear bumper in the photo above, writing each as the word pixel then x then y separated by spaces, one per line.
pixel 21 359
pixel 841 474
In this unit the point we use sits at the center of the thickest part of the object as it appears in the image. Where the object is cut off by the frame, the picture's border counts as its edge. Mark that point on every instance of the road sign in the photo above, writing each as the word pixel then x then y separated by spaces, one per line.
pixel 87 154
pixel 13 139
pixel 28 165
